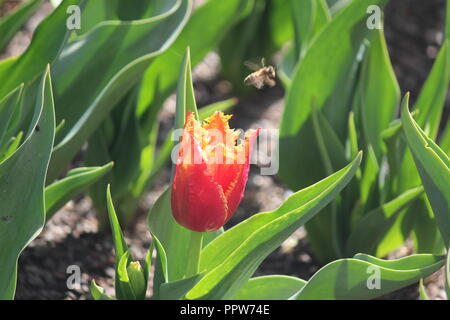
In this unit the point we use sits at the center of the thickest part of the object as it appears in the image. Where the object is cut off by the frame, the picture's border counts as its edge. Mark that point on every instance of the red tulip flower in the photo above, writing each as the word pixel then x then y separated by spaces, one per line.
pixel 211 173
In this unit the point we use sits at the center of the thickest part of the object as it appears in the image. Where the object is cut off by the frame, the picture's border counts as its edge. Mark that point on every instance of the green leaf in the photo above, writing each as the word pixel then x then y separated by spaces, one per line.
pixel 55 3
pixel 138 280
pixel 123 257
pixel 175 290
pixel 287 66
pixel 119 241
pixel 132 151
pixel 330 147
pixel 248 39
pixel 369 179
pixel 429 107
pixel 21 221
pixel 445 139
pixel 447 275
pixel 210 236
pixel 233 257
pixel 185 93
pixel 279 29
pixel 391 138
pixel 124 147
pixel 98 293
pixel 353 278
pixel 378 110
pixel 151 164
pixel 96 153
pixel 173 237
pixel 426 235
pixel 161 269
pixel 433 165
pixel 9 106
pixel 337 5
pixel 125 53
pixel 59 127
pixel 324 79
pixel 353 138
pixel 431 100
pixel 308 17
pixel 331 3
pixel 270 288
pixel 369 233
pixel 99 11
pixel 76 181
pixel 422 293
pixel 12 22
pixel 45 46
pixel 116 140
pixel 11 146
pixel 124 289
pixel 326 231
pixel 223 105
pixel 148 264
pixel 160 79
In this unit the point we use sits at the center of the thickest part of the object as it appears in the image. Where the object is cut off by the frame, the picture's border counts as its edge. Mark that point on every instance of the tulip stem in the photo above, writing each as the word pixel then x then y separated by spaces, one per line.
pixel 195 247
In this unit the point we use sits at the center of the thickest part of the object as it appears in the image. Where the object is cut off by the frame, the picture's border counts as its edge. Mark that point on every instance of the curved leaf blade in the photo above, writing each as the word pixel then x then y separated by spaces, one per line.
pixel 21 221
pixel 351 278
pixel 270 288
pixel 232 257
pixel 368 234
pixel 433 166
pixel 48 40
pixel 324 78
pixel 77 180
pixel 12 23
pixel 119 52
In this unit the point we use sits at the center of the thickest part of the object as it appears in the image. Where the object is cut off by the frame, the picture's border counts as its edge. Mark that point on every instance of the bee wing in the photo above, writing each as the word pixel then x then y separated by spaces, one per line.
pixel 252 65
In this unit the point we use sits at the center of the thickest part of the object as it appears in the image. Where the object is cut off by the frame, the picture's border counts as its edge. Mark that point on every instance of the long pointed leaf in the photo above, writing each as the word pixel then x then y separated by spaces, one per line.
pixel 22 208
pixel 350 278
pixel 232 257
pixel 433 165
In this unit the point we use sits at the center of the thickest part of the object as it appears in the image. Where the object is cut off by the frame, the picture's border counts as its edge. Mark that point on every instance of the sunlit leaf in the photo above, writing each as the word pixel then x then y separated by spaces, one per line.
pixel 22 220
pixel 231 259
pixel 366 277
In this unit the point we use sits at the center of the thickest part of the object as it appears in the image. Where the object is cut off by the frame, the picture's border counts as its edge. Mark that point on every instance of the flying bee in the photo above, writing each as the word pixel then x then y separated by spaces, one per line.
pixel 262 75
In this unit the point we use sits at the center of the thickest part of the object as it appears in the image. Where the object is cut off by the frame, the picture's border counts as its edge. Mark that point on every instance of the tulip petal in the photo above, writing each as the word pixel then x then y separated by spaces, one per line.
pixel 198 203
pixel 235 190
pixel 218 121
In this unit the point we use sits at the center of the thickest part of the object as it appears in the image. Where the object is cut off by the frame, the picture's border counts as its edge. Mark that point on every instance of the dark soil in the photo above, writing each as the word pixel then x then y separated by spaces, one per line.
pixel 414 33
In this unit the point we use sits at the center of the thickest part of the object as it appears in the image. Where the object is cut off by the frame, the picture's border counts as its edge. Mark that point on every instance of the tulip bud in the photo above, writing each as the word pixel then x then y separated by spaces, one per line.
pixel 211 173
pixel 137 279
